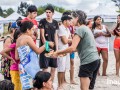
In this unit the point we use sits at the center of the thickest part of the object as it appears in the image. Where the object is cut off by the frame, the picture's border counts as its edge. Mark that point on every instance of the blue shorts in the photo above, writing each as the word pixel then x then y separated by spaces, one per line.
pixel 72 55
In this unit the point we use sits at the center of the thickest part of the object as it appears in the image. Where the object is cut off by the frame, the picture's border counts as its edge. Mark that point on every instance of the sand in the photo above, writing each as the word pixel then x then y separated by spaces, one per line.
pixel 110 82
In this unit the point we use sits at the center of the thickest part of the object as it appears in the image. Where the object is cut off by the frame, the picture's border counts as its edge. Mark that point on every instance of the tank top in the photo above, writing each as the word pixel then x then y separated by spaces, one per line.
pixel 101 41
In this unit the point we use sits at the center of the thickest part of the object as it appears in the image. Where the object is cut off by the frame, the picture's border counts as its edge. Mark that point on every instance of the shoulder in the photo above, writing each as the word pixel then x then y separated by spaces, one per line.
pixel 43 20
pixel 54 21
pixel 8 39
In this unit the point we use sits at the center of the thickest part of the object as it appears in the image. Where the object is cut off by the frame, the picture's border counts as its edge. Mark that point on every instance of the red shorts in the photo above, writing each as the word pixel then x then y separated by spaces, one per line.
pixel 117 44
pixel 102 49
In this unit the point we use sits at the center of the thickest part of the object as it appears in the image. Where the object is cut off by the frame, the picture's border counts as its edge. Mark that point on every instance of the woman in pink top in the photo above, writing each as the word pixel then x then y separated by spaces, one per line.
pixel 14 71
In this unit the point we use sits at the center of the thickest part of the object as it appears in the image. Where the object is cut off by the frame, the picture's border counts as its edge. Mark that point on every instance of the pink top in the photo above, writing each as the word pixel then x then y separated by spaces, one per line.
pixel 14 66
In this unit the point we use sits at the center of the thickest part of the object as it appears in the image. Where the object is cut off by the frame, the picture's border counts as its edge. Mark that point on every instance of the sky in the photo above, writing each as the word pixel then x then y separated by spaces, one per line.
pixel 86 5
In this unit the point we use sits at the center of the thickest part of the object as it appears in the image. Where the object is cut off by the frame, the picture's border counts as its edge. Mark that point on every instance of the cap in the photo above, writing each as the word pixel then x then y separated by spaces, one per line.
pixel 14 25
pixel 66 17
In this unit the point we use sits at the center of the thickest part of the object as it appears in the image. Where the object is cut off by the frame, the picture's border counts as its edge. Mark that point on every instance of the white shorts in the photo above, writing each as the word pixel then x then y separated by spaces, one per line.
pixel 63 63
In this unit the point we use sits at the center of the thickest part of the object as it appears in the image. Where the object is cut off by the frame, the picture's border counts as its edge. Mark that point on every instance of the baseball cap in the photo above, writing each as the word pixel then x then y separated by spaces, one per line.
pixel 66 17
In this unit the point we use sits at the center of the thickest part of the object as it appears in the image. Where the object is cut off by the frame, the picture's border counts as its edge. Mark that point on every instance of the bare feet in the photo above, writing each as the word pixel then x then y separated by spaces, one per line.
pixel 104 75
pixel 73 82
pixel 60 88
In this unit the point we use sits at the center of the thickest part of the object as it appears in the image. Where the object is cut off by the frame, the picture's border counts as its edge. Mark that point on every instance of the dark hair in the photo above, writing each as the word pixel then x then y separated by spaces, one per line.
pixel 116 28
pixel 67 13
pixel 81 16
pixel 32 8
pixel 50 7
pixel 16 34
pixel 25 25
pixel 6 85
pixel 41 77
pixel 94 24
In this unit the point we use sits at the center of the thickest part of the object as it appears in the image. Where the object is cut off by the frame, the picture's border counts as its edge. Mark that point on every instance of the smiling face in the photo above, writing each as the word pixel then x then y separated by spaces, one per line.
pixel 98 21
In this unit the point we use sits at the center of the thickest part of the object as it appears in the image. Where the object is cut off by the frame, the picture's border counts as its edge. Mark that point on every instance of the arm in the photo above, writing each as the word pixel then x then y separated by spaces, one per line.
pixel 32 45
pixel 56 40
pixel 42 35
pixel 65 40
pixel 108 34
pixel 5 51
pixel 72 48
pixel 7 42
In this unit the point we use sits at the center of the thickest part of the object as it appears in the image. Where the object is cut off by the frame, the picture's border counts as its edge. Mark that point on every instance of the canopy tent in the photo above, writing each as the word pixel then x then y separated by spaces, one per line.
pixel 57 15
pixel 106 13
pixel 1 18
pixel 13 17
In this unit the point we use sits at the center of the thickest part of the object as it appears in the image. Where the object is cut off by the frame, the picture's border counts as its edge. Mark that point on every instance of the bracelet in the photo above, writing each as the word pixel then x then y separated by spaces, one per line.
pixel 47 48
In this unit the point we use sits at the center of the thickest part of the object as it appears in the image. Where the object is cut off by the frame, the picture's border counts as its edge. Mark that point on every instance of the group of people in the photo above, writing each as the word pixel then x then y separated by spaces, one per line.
pixel 27 71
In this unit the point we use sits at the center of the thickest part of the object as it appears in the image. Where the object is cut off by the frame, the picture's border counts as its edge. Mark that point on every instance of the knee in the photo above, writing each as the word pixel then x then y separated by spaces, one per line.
pixel 105 60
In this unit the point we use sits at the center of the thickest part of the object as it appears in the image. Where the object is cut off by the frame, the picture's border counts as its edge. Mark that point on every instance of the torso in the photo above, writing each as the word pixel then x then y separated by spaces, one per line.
pixel 101 41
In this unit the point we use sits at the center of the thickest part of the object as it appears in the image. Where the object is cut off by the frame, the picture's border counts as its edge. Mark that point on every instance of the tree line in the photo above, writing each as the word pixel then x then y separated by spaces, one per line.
pixel 22 9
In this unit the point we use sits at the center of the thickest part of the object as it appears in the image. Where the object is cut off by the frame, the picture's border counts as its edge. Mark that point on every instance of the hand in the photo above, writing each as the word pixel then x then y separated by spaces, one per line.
pixel 51 44
pixel 13 61
pixel 55 54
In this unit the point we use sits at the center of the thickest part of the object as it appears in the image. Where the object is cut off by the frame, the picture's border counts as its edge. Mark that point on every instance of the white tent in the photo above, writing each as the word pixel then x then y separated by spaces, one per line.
pixel 13 17
pixel 105 12
pixel 1 18
pixel 57 15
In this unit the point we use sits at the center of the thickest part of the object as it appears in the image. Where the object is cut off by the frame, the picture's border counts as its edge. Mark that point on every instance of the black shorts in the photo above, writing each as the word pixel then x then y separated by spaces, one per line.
pixel 90 70
pixel 47 62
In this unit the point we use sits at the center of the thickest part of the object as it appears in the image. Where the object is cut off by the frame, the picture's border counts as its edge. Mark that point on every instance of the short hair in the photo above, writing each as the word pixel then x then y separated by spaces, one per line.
pixel 6 85
pixel 67 13
pixel 81 16
pixel 50 7
pixel 32 8
pixel 41 77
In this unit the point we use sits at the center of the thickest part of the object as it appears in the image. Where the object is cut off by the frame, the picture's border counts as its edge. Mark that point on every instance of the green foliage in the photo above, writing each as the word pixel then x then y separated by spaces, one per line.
pixel 117 3
pixel 5 13
pixel 22 9
pixel 41 9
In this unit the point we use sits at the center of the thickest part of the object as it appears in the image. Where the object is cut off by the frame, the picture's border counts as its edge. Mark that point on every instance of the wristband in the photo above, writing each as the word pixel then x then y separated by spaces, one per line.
pixel 47 48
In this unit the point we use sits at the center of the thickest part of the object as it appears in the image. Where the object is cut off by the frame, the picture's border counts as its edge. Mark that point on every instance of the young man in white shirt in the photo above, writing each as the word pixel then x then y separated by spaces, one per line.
pixel 63 40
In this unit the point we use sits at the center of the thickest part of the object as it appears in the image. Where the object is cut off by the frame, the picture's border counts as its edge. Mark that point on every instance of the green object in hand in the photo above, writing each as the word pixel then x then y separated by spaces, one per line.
pixel 47 48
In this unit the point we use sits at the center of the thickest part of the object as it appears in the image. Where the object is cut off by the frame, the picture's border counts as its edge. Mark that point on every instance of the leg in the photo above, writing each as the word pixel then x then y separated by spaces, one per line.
pixel 85 82
pixel 60 80
pixel 105 61
pixel 92 82
pixel 98 69
pixel 16 80
pixel 52 73
pixel 117 53
pixel 72 71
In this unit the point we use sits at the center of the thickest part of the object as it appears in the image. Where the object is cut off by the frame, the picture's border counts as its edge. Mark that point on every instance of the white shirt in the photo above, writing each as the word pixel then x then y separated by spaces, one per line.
pixel 63 31
pixel 101 41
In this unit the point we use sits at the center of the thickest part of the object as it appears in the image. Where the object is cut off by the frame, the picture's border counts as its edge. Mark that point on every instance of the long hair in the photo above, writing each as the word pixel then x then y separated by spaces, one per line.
pixel 16 34
pixel 116 28
pixel 94 24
